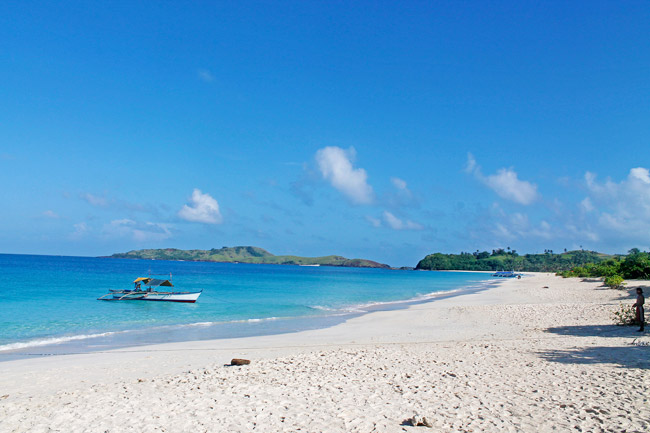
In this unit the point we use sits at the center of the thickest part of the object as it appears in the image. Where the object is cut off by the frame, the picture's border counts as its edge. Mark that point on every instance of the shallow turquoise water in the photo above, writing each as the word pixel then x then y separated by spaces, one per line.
pixel 51 299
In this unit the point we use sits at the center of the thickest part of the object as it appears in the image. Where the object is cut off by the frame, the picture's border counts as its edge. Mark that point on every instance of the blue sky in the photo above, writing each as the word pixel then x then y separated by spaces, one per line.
pixel 380 130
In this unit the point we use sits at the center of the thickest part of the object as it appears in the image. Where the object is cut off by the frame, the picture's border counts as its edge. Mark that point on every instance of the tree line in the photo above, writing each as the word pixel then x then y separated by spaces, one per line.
pixel 634 266
pixel 508 259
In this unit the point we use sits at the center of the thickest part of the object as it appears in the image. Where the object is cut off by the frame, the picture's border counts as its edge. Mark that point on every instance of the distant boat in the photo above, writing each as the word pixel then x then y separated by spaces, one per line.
pixel 308 265
pixel 154 290
pixel 505 274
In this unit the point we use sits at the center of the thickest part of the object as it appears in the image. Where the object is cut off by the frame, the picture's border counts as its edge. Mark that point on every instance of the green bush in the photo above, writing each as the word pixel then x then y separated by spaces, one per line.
pixel 609 268
pixel 614 282
pixel 636 266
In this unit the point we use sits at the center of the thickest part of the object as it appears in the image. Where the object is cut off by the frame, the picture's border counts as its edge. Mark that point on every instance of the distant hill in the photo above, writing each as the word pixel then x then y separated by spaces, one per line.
pixel 245 255
pixel 510 260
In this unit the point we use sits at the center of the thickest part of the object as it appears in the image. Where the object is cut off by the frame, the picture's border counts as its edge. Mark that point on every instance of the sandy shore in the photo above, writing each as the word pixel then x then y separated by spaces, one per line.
pixel 534 355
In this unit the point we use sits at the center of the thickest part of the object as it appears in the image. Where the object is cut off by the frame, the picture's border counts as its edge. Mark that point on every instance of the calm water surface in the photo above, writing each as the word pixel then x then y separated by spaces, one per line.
pixel 51 301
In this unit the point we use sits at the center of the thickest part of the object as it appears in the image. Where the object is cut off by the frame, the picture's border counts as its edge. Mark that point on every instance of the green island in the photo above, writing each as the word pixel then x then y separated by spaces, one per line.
pixel 245 254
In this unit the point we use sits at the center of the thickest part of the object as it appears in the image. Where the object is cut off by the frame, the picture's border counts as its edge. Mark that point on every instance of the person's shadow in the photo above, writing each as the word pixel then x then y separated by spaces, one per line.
pixel 631 356
pixel 594 331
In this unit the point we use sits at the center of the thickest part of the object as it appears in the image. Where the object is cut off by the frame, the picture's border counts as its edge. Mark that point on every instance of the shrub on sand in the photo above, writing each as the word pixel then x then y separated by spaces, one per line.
pixel 624 316
pixel 614 282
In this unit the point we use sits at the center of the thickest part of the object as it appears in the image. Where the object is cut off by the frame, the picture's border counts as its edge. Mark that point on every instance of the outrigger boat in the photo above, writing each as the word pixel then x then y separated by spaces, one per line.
pixel 154 290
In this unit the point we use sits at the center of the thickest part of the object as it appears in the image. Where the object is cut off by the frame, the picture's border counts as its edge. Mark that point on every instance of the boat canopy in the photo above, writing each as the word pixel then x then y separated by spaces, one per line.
pixel 153 282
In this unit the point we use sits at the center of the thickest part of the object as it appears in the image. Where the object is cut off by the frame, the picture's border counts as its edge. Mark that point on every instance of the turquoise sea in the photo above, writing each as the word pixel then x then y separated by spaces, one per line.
pixel 48 304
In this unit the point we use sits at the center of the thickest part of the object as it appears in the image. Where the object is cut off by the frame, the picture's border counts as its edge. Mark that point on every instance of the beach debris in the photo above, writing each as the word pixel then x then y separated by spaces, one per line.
pixel 5 396
pixel 239 361
pixel 418 420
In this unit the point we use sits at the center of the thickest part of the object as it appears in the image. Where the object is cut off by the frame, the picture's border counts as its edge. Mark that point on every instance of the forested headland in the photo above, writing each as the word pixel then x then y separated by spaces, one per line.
pixel 507 259
pixel 579 263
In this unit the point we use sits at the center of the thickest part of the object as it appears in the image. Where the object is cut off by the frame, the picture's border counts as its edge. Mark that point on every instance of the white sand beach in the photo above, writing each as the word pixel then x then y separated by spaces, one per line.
pixel 539 354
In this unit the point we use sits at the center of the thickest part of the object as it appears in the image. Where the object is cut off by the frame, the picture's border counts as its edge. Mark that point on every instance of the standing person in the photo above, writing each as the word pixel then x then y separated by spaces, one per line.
pixel 640 300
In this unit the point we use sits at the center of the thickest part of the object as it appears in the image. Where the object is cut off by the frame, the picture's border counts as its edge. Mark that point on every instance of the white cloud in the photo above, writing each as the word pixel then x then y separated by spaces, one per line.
pixel 401 196
pixel 612 215
pixel 205 75
pixel 586 205
pixel 138 231
pixel 518 226
pixel 336 166
pixel 590 179
pixel 80 230
pixel 399 183
pixel 50 214
pixel 470 166
pixel 397 224
pixel 202 208
pixel 393 221
pixel 545 231
pixel 505 182
pixel 580 233
pixel 507 185
pixel 641 174
pixel 375 222
pixel 622 207
pixel 102 201
pixel 81 227
pixel 500 231
pixel 94 199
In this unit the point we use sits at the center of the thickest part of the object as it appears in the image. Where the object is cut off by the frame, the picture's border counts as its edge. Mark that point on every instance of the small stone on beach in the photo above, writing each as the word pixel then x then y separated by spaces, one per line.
pixel 238 361
pixel 418 420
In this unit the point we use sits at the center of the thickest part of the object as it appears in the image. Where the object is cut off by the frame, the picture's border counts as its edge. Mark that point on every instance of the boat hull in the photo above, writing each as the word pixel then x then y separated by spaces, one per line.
pixel 188 297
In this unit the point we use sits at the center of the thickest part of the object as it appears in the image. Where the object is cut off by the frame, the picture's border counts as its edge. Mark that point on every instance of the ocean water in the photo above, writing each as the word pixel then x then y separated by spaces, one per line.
pixel 48 304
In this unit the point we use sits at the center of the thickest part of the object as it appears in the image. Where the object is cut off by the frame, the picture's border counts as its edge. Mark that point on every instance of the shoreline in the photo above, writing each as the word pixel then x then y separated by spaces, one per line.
pixel 105 341
pixel 537 354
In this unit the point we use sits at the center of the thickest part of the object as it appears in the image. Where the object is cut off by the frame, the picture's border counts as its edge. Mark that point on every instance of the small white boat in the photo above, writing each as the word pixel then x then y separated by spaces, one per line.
pixel 506 274
pixel 154 290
